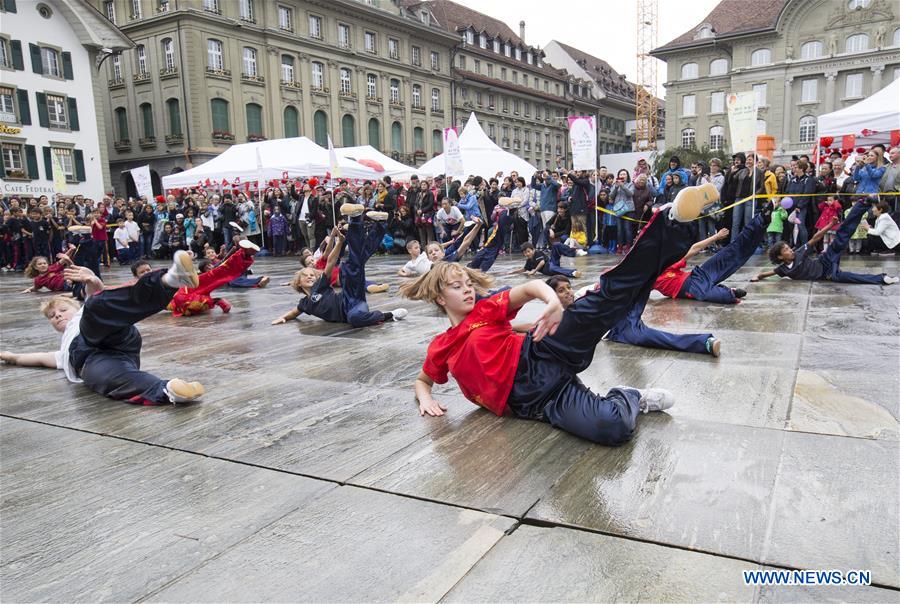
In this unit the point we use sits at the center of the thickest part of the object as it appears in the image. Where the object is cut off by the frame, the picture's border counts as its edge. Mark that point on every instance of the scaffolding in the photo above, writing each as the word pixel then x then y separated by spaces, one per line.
pixel 646 109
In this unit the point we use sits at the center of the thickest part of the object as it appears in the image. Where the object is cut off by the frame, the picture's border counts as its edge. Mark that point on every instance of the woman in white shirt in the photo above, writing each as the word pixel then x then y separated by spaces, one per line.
pixel 885 235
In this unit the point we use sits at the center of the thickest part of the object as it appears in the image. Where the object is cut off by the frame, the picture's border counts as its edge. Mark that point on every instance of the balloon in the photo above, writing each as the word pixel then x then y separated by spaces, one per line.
pixel 787 203
pixel 372 164
pixel 860 149
pixel 313 182
pixel 827 140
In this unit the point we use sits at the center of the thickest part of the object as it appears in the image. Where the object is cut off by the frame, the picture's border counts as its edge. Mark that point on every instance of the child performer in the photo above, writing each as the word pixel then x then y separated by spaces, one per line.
pixel 797 264
pixel 195 301
pixel 538 261
pixel 496 241
pixel 349 306
pixel 101 346
pixel 50 275
pixel 418 263
pixel 453 250
pixel 534 376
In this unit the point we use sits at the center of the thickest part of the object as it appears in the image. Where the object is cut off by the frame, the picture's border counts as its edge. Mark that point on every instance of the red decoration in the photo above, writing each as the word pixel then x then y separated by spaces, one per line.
pixel 237 180
pixel 860 149
pixel 371 163
pixel 849 141
pixel 208 183
pixel 826 141
pixel 224 182
pixel 895 138
pixel 313 182
pixel 867 133
pixel 284 176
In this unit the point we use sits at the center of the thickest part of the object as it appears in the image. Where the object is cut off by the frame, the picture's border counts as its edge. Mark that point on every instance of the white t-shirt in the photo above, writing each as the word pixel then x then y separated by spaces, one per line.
pixel 134 233
pixel 420 265
pixel 453 217
pixel 62 355
pixel 121 237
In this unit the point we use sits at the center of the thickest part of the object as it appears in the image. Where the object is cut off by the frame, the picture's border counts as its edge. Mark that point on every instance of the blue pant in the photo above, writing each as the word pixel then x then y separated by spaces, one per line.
pixel 557 250
pixel 486 256
pixel 741 216
pixel 831 257
pixel 134 251
pixel 107 353
pixel 632 330
pixel 623 231
pixel 245 282
pixel 703 284
pixel 87 254
pixel 147 244
pixel 546 384
pixel 362 242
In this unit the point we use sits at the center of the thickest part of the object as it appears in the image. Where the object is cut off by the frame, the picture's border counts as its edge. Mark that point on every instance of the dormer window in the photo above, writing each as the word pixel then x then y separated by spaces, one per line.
pixel 482 41
pixel 705 32
pixel 470 36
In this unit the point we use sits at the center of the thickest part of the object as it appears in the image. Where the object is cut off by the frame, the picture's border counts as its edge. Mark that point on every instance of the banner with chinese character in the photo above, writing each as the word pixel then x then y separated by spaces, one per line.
pixel 583 140
pixel 142 182
pixel 453 162
pixel 59 173
pixel 742 120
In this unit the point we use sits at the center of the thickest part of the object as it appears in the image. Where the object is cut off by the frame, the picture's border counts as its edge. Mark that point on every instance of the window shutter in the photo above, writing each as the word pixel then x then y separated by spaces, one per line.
pixel 73 114
pixel 43 114
pixel 9 6
pixel 37 65
pixel 31 162
pixel 67 65
pixel 48 163
pixel 18 61
pixel 79 165
pixel 24 107
pixel 2 170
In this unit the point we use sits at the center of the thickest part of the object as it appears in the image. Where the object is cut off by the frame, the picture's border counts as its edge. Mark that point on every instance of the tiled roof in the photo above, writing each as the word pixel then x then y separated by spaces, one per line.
pixel 732 17
pixel 609 79
pixel 477 77
pixel 455 16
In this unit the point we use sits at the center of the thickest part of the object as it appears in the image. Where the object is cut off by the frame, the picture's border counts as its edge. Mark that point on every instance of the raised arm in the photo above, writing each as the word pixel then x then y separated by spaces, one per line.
pixel 335 254
pixel 821 233
pixel 468 239
pixel 30 359
pixel 81 274
pixel 705 243
pixel 538 290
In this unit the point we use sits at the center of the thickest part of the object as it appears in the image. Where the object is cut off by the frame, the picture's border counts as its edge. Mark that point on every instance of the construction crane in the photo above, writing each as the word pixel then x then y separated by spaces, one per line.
pixel 646 110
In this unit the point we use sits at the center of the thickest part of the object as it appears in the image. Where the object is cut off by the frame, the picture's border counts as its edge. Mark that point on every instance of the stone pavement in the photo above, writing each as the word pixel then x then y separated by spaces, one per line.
pixel 306 473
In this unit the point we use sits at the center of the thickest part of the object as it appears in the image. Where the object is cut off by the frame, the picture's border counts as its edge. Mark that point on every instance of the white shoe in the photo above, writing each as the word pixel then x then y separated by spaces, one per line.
pixel 352 209
pixel 182 273
pixel 379 216
pixel 690 201
pixel 510 202
pixel 236 227
pixel 180 391
pixel 248 245
pixel 888 280
pixel 580 253
pixel 656 399
pixel 399 314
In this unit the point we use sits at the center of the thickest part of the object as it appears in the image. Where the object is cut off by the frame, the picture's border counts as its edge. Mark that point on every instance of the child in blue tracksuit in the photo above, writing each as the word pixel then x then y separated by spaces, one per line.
pixel 488 253
pixel 539 262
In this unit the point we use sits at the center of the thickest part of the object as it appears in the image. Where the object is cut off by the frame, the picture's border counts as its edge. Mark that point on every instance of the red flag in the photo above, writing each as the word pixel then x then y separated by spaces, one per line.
pixel 895 138
pixel 849 141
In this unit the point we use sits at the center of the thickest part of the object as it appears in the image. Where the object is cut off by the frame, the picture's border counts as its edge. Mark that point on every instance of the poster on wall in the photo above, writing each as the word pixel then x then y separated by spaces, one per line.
pixel 742 120
pixel 583 140
pixel 453 163
pixel 59 174
pixel 142 182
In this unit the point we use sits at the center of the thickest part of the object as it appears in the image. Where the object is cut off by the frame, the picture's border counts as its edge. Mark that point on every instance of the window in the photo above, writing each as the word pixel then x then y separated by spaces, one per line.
pixel 214 55
pixel 371 86
pixel 348 131
pixel 416 56
pixel 479 100
pixel 482 41
pixel 5 60
pixel 370 42
pixel 688 137
pixel 526 109
pixel 808 92
pixel 896 41
pixel 7 106
pixel 375 133
pixel 287 69
pixel 811 50
pixel 530 57
pixel 110 8
pixel 857 43
pixel 394 48
pixel 437 141
pixel 246 10
pixel 763 56
pixel 896 73
pixel 56 111
pixel 470 36
pixel 12 158
pixel 343 35
pixel 516 106
pixel 346 81
pixel 140 54
pixel 717 102
pixel 135 9
pixel 490 70
pixel 315 27
pixel 211 6
pixel 285 18
pixel 515 75
pixel 318 75
pixel 50 62
pixel 503 73
pixel 254 120
pixel 759 92
pixel 122 124
pixel 435 99
pixel 397 137
pixel 425 17
pixel 461 61
pixel 855 4
pixel 395 91
pixel 147 121
pixel 688 105
pixel 477 66
pixel 504 104
pixel 418 140
pixel 250 62
pixel 168 49
pixel 320 128
pixel 807 129
pixel 416 95
pixel 518 54
pixel 435 61
pixel 854 86
pixel 491 103
pixel 174 112
pixel 497 46
pixel 718 67
pixel 291 122
pixel 506 49
pixel 524 79
pixel 760 126
pixel 492 132
pixel 717 138
pixel 705 32
pixel 220 118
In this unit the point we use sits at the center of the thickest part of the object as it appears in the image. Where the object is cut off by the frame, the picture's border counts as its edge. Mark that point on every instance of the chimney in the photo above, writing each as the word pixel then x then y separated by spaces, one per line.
pixel 522 30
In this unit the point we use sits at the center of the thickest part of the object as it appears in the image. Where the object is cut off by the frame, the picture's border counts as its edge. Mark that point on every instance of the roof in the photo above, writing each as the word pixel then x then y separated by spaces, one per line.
pixel 91 27
pixel 477 77
pixel 731 17
pixel 455 16
pixel 612 82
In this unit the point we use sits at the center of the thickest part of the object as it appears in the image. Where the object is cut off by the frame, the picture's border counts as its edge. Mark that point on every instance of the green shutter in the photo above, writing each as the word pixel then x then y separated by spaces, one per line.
pixel 73 114
pixel 348 128
pixel 2 170
pixel 375 133
pixel 9 6
pixel 79 165
pixel 37 65
pixel 174 117
pixel 67 65
pixel 31 162
pixel 18 61
pixel 24 107
pixel 48 162
pixel 220 115
pixel 122 123
pixel 43 114
pixel 320 128
pixel 147 118
pixel 254 119
pixel 291 122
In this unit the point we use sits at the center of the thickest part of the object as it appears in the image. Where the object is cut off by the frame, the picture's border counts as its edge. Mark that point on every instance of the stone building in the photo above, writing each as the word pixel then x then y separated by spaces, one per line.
pixel 50 93
pixel 802 58
pixel 209 73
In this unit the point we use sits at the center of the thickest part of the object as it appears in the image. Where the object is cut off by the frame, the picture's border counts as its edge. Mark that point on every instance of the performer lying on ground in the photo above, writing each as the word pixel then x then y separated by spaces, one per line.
pixel 101 346
pixel 797 264
pixel 455 249
pixel 349 306
pixel 48 275
pixel 537 261
pixel 194 301
pixel 535 376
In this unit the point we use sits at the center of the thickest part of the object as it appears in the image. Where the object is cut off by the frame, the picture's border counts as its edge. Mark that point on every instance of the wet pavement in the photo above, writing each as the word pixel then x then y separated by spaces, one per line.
pixel 306 473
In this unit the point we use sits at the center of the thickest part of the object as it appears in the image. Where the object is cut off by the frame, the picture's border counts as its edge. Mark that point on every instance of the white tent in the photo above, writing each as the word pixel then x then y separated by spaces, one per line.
pixel 481 156
pixel 297 157
pixel 366 153
pixel 879 113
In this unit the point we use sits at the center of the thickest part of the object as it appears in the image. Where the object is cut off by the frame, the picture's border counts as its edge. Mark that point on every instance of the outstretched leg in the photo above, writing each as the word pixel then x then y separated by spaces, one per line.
pixel 361 244
pixel 606 420
pixel 733 256
pixel 485 257
pixel 831 257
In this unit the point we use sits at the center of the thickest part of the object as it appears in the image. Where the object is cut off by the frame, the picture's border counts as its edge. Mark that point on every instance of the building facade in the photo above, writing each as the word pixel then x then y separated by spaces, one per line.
pixel 50 97
pixel 206 74
pixel 801 58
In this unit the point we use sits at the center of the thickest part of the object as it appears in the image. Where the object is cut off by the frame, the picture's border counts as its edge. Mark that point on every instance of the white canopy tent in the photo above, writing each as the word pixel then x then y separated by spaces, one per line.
pixel 297 157
pixel 481 156
pixel 372 157
pixel 870 120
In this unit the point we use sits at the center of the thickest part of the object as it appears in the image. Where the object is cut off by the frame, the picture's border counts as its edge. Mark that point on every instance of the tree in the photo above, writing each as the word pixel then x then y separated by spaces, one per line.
pixel 687 155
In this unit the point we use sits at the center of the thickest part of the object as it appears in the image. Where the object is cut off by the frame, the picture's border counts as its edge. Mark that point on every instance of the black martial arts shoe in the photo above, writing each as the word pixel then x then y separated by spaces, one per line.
pixel 738 293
